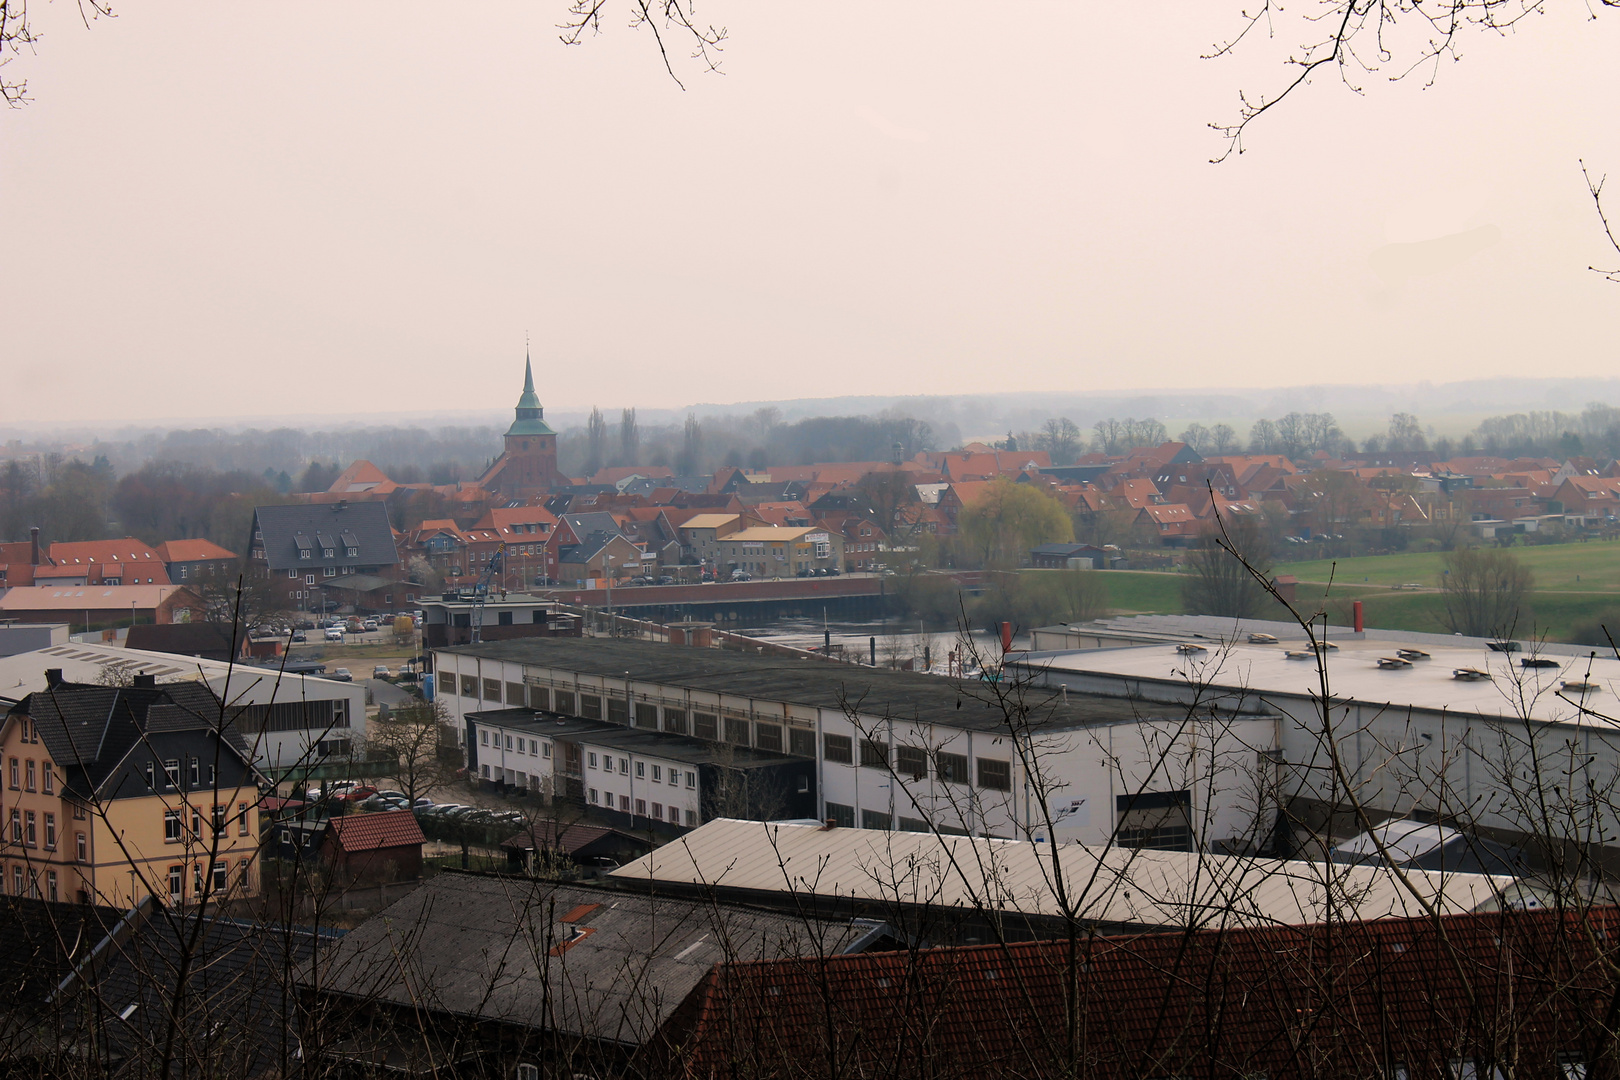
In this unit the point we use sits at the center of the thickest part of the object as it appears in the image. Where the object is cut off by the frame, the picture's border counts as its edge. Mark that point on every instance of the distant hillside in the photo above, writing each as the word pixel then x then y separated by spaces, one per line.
pixel 1451 408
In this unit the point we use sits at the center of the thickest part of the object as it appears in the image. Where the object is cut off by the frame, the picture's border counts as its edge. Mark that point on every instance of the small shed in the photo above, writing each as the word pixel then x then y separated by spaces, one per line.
pixel 590 846
pixel 1286 585
pixel 375 848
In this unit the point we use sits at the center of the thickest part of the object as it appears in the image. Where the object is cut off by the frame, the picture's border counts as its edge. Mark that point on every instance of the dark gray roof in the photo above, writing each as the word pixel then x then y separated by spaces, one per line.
pixel 595 522
pixel 538 723
pixel 90 730
pixel 588 549
pixel 497 949
pixel 904 695
pixel 236 1012
pixel 1063 549
pixel 320 525
pixel 682 748
pixel 360 582
pixel 41 943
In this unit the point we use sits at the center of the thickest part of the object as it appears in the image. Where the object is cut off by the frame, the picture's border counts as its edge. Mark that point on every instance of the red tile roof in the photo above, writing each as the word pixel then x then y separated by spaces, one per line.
pixel 172 551
pixel 1363 997
pixel 84 552
pixel 373 832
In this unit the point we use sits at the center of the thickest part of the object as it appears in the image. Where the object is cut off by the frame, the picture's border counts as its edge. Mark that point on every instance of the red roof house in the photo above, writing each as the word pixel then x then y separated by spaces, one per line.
pixel 385 846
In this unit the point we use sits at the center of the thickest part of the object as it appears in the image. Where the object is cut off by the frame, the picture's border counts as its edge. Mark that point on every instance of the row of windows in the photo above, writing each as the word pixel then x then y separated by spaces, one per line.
pixel 217 877
pixel 329 553
pixel 765 736
pixel 844 817
pixel 25 830
pixel 913 761
pixel 26 776
pixel 993 774
pixel 292 716
pixel 605 799
pixel 518 779
pixel 173 822
pixel 535 747
pixel 27 881
pixel 171 773
pixel 642 769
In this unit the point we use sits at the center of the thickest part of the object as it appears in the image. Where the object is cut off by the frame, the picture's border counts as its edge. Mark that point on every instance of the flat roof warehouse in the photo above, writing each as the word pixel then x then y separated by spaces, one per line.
pixel 901 695
pixel 1264 673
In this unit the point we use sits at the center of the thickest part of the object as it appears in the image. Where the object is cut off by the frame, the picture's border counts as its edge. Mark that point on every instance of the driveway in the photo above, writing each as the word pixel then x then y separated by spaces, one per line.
pixel 386 693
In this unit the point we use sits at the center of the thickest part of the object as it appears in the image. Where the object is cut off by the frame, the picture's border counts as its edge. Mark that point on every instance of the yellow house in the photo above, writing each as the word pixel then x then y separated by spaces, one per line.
pixel 112 794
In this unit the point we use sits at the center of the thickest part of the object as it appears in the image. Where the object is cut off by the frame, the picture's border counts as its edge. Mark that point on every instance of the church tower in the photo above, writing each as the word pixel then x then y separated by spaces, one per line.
pixel 529 464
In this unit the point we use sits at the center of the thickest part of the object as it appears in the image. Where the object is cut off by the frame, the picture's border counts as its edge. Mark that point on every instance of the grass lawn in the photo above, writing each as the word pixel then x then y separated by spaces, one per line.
pixel 1597 562
pixel 1139 592
pixel 1552 614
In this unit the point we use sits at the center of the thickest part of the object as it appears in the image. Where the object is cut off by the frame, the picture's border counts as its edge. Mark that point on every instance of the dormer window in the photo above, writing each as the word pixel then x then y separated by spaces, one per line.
pixel 351 552
pixel 327 553
pixel 303 553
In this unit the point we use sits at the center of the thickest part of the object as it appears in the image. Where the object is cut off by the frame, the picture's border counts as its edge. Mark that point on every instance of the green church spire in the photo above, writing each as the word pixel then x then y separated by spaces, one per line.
pixel 530 415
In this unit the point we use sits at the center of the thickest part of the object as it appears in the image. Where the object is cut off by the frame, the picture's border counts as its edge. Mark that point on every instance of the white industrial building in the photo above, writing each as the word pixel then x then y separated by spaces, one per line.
pixel 898 750
pixel 1504 738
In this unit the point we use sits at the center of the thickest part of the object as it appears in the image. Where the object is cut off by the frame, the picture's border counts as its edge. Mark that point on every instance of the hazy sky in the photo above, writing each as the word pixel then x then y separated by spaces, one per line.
pixel 256 209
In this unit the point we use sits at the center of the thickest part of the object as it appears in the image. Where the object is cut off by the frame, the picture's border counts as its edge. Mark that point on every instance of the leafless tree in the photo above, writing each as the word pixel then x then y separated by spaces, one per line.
pixel 1216 583
pixel 1595 189
pixel 1484 591
pixel 674 24
pixel 1360 39
pixel 413 740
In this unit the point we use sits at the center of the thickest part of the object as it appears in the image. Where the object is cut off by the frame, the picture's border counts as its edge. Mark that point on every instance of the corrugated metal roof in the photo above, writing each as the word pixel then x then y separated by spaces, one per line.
pixel 1119 886
pixel 485 947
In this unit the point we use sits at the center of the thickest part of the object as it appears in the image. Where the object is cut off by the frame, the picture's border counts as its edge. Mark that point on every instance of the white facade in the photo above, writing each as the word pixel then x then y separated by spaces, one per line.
pixel 647 786
pixel 615 777
pixel 520 757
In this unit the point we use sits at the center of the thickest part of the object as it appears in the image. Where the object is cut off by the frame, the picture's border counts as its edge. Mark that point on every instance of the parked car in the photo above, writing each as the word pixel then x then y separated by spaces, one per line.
pixel 741 575
pixel 369 626
pixel 665 579
pixel 342 674
pixel 423 803
pixel 358 794
pixel 299 637
pixel 380 671
pixel 334 633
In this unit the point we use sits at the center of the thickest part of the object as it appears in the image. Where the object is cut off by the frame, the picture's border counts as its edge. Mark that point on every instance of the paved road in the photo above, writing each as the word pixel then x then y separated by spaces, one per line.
pixel 386 693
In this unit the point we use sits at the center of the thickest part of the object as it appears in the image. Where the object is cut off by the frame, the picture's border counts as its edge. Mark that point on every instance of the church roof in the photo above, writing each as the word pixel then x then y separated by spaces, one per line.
pixel 530 415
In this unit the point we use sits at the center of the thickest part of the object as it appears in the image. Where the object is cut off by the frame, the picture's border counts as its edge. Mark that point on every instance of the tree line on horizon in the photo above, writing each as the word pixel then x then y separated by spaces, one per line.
pixel 204 482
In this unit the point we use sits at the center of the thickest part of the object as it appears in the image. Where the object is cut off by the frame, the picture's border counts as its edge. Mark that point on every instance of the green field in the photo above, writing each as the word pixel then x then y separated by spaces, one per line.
pixel 1139 592
pixel 1556 566
pixel 1552 614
